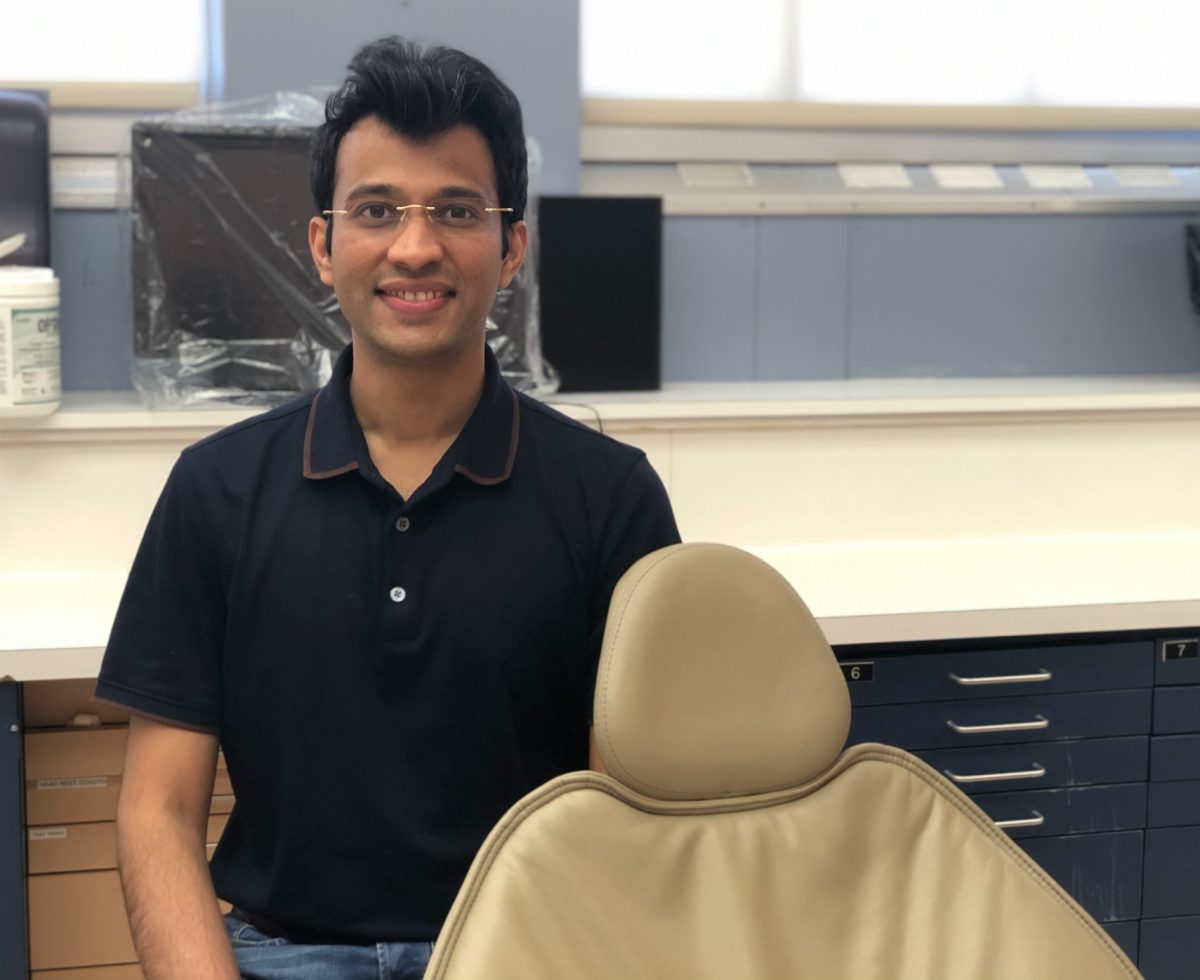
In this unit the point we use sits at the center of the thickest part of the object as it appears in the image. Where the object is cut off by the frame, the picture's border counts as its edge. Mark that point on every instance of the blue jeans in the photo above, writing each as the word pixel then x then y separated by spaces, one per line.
pixel 262 958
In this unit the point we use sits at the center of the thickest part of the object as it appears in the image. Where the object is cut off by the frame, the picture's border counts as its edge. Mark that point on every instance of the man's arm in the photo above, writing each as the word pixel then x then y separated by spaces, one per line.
pixel 161 819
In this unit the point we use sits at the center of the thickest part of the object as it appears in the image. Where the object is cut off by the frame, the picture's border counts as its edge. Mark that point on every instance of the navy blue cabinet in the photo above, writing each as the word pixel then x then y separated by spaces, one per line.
pixel 13 928
pixel 1169 949
pixel 1086 751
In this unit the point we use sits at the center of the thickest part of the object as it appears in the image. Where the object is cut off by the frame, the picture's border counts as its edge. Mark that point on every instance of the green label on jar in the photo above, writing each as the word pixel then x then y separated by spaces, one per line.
pixel 33 369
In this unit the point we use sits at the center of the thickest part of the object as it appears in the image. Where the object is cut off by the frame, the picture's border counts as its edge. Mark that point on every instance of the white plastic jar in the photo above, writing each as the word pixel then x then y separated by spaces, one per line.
pixel 30 366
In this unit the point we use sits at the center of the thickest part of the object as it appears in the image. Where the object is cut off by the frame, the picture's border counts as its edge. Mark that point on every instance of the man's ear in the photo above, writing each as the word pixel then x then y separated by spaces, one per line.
pixel 518 242
pixel 318 229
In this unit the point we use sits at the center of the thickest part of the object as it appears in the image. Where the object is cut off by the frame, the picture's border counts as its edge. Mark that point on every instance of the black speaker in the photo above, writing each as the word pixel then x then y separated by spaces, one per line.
pixel 600 291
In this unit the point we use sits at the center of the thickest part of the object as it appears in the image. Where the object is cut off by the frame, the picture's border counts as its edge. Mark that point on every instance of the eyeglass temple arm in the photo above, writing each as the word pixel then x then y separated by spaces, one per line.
pixel 405 207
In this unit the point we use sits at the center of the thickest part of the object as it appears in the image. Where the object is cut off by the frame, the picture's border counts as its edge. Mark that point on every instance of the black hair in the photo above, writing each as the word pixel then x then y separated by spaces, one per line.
pixel 422 93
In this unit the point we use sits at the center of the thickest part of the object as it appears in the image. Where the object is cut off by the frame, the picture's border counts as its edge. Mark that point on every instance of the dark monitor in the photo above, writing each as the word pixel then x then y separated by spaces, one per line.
pixel 220 238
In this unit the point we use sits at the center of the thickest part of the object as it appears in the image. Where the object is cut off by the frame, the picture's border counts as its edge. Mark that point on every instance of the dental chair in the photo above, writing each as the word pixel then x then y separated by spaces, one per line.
pixel 733 838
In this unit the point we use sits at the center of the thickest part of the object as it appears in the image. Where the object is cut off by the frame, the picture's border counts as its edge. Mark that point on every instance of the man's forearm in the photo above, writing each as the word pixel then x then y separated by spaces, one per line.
pixel 177 926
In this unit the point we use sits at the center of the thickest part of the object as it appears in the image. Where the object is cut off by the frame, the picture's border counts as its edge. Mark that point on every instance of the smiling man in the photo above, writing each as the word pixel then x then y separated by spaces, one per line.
pixel 385 600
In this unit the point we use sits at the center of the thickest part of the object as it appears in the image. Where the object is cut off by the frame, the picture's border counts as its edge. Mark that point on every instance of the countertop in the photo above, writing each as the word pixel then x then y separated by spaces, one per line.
pixel 55 624
pixel 698 403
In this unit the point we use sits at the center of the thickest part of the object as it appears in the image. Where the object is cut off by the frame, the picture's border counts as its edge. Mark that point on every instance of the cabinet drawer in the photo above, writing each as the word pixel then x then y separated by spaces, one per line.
pixel 1071 810
pixel 1173 670
pixel 1169 949
pixel 1043 765
pixel 1176 710
pixel 1174 804
pixel 1102 872
pixel 78 920
pixel 1175 757
pixel 949 724
pixel 898 678
pixel 1125 935
pixel 1173 871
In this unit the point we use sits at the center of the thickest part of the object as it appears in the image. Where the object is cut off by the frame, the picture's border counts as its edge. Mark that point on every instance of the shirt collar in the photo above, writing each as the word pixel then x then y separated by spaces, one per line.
pixel 483 452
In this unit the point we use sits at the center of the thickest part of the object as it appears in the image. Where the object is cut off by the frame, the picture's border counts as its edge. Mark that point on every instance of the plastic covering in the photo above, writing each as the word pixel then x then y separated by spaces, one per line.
pixel 227 304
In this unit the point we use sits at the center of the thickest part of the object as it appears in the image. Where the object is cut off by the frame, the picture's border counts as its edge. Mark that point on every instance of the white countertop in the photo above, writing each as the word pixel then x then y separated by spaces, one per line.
pixel 55 624
pixel 704 403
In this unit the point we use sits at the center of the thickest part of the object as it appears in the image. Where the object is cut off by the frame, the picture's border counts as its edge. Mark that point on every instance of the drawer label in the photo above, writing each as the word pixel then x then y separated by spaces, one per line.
pixel 81 782
pixel 856 671
pixel 48 833
pixel 1188 649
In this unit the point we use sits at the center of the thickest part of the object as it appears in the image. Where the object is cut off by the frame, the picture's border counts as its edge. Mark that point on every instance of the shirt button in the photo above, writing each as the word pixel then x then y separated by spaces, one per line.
pixel 402 524
pixel 398 594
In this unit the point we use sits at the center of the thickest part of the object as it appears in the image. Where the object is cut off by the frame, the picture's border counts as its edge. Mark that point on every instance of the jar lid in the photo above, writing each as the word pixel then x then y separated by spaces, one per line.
pixel 27 282
pixel 25 275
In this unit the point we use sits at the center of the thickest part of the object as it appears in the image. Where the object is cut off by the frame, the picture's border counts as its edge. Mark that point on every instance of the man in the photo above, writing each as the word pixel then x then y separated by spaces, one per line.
pixel 385 600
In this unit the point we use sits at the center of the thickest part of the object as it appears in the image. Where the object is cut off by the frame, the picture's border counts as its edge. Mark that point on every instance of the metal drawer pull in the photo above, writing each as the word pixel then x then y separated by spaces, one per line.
pixel 1035 821
pixel 1041 675
pixel 994 777
pixel 1012 726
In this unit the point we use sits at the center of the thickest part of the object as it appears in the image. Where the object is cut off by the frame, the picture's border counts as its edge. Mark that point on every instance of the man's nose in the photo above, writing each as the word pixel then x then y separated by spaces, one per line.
pixel 416 242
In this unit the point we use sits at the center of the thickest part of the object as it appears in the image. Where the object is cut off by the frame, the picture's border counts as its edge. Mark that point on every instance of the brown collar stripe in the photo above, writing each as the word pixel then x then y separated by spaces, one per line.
pixel 512 450
pixel 308 432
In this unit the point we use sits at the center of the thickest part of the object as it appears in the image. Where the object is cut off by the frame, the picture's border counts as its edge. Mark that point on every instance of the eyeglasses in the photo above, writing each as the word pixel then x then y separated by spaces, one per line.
pixel 453 217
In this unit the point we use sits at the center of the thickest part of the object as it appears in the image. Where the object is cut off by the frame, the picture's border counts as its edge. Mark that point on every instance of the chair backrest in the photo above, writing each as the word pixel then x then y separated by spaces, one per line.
pixel 731 839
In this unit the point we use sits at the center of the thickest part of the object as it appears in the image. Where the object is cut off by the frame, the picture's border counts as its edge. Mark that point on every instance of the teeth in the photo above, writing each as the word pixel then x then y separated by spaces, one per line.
pixel 416 297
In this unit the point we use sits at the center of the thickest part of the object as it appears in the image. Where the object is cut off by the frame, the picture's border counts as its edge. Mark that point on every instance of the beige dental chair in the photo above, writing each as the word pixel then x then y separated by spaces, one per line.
pixel 734 838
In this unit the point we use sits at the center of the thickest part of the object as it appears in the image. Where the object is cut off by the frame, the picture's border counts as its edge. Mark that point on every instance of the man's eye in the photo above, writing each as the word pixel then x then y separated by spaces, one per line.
pixel 456 214
pixel 375 211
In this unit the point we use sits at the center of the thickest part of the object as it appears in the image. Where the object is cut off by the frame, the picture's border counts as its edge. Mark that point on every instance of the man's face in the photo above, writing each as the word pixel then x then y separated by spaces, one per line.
pixel 417 291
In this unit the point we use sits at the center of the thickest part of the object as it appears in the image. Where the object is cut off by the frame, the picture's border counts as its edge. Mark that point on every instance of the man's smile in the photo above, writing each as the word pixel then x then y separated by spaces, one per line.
pixel 412 299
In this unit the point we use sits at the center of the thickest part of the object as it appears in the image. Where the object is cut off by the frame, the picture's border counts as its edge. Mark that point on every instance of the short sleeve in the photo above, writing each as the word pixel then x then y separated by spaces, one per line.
pixel 163 658
pixel 640 521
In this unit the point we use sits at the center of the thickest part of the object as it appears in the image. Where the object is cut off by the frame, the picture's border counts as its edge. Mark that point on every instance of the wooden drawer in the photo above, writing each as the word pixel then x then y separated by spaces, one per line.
pixel 78 920
pixel 1070 810
pixel 1169 949
pixel 94 798
pixel 1102 872
pixel 1177 710
pixel 1173 871
pixel 86 846
pixel 1174 757
pixel 950 724
pixel 1174 804
pixel 899 678
pixel 128 971
pixel 1042 765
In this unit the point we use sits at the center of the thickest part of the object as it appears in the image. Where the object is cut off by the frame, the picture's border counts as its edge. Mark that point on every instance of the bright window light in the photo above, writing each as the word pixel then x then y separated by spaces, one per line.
pixel 684 49
pixel 921 52
pixel 113 41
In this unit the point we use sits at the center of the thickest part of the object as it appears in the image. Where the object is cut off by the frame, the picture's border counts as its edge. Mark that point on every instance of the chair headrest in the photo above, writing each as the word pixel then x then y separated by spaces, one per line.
pixel 715 679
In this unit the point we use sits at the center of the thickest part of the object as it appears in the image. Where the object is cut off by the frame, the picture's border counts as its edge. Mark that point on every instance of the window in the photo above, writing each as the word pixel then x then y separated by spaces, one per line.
pixel 116 54
pixel 1026 53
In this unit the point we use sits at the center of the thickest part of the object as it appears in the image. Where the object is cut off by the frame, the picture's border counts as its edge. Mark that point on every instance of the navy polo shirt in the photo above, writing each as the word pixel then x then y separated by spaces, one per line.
pixel 387 676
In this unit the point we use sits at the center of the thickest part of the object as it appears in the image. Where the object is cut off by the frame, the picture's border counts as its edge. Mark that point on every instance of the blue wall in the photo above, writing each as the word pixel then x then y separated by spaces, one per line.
pixel 532 44
pixel 792 298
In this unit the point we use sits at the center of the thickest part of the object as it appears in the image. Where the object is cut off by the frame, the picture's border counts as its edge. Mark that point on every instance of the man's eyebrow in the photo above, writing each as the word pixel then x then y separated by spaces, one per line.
pixel 462 192
pixel 371 190
pixel 391 192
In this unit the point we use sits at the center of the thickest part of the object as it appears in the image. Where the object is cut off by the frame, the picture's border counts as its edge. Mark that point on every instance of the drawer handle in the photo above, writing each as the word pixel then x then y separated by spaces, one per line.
pixel 1034 821
pixel 1037 772
pixel 1013 726
pixel 1040 677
